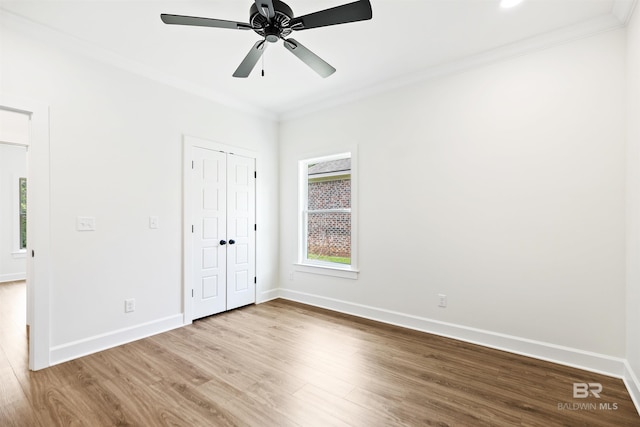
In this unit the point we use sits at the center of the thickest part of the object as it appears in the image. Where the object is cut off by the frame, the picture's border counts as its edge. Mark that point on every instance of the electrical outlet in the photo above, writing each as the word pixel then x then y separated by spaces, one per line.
pixel 85 223
pixel 129 305
pixel 154 222
pixel 291 276
pixel 442 300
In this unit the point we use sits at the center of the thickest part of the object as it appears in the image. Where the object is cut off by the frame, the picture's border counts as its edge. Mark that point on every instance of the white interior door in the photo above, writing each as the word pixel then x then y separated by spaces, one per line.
pixel 241 262
pixel 209 230
pixel 223 195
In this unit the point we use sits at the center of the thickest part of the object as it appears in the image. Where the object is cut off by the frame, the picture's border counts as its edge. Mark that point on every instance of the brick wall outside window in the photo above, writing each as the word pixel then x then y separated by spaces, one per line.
pixel 329 234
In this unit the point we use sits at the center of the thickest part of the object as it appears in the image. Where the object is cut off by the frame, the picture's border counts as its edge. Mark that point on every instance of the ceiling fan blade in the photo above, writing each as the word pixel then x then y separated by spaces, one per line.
pixel 351 12
pixel 316 63
pixel 265 7
pixel 203 22
pixel 250 61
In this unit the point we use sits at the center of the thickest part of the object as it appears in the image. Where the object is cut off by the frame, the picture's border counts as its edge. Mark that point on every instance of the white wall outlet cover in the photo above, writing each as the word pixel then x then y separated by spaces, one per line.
pixel 154 222
pixel 85 223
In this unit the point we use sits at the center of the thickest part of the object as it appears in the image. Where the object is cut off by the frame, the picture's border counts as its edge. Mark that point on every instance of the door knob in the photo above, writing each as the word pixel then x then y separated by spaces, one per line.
pixel 232 242
pixel 223 242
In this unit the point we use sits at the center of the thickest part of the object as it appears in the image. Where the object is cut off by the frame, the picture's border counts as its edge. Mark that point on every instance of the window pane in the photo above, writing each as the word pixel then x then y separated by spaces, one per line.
pixel 329 185
pixel 23 213
pixel 334 194
pixel 326 228
pixel 329 236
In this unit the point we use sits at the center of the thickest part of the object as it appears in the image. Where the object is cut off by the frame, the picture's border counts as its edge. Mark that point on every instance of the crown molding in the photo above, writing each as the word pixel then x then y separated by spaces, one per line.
pixel 623 10
pixel 67 42
pixel 621 13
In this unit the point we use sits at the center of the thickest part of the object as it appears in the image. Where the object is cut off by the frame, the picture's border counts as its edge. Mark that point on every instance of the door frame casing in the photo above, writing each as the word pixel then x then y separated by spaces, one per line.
pixel 188 143
pixel 39 225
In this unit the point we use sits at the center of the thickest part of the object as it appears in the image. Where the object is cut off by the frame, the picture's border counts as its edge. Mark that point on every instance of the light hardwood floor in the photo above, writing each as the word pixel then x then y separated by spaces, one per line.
pixel 286 364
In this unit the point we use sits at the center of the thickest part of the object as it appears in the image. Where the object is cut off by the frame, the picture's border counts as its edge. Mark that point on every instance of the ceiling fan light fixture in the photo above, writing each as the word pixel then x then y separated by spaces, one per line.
pixel 506 4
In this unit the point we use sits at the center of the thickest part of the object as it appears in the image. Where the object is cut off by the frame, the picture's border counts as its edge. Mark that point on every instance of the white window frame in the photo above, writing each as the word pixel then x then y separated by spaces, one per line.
pixel 322 267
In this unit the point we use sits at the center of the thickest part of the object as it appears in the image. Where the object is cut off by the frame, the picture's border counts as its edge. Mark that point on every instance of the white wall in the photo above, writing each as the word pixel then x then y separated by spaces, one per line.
pixel 13 165
pixel 116 154
pixel 633 198
pixel 502 187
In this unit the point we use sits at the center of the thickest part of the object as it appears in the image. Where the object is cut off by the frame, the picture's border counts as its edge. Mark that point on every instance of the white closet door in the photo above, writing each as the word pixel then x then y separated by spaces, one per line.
pixel 241 259
pixel 209 232
pixel 224 254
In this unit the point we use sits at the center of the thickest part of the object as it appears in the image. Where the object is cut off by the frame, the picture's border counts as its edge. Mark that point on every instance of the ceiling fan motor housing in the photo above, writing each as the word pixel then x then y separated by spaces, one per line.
pixel 278 27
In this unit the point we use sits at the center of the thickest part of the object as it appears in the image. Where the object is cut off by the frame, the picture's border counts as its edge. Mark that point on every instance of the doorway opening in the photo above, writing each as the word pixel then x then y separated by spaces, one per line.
pixel 24 127
pixel 14 325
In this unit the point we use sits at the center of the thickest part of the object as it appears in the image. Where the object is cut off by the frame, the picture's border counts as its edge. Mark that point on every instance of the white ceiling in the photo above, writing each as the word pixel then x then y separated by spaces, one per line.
pixel 405 40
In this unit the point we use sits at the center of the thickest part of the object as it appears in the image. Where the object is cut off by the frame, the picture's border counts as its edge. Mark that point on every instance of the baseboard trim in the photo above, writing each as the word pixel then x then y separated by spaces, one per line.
pixel 588 361
pixel 73 350
pixel 633 385
pixel 269 295
pixel 14 277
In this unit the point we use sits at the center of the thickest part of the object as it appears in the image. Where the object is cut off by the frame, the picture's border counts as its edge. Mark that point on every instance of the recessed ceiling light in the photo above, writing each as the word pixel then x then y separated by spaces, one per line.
pixel 509 3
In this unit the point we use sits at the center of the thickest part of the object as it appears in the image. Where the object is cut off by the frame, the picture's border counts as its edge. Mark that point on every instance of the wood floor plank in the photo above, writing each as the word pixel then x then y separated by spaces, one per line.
pixel 287 364
pixel 306 413
pixel 251 413
pixel 403 412
pixel 14 405
pixel 270 363
pixel 198 405
pixel 348 411
pixel 142 406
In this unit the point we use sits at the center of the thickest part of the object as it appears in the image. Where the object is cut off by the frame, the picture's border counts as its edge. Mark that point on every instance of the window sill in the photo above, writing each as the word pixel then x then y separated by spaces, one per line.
pixel 19 254
pixel 345 273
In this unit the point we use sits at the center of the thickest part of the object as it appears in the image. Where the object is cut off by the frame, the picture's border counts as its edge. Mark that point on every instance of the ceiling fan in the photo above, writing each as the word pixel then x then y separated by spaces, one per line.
pixel 274 20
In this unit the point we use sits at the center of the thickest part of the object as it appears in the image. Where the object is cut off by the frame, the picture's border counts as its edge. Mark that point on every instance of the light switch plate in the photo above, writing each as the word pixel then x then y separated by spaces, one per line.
pixel 85 223
pixel 442 300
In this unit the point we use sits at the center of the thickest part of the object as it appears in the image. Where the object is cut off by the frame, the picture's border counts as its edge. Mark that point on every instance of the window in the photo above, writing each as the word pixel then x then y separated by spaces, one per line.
pixel 22 190
pixel 327 226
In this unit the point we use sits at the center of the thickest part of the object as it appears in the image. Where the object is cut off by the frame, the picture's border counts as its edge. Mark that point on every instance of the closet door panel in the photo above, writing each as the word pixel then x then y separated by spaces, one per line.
pixel 209 184
pixel 241 260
